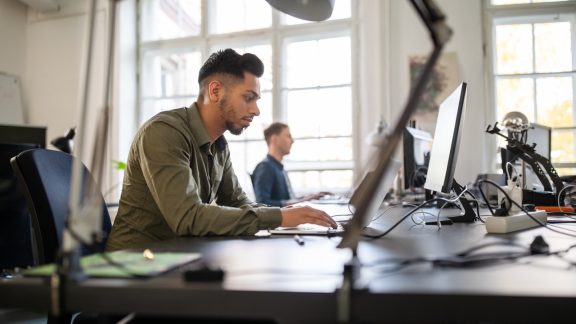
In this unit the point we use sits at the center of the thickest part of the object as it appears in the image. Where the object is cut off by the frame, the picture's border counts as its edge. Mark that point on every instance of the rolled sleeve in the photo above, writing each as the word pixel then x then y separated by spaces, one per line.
pixel 269 217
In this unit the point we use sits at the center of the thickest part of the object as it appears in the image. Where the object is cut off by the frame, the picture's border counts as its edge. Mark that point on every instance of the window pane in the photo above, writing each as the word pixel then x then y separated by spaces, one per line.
pixel 514 49
pixel 238 15
pixel 170 74
pixel 563 146
pixel 318 62
pixel 553 50
pixel 555 107
pixel 324 112
pixel 515 95
pixel 507 2
pixel 245 156
pixel 312 181
pixel 165 19
pixel 325 149
pixel 151 107
pixel 342 9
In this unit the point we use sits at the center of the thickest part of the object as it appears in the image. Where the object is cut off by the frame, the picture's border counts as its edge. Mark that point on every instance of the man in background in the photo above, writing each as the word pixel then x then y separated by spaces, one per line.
pixel 270 180
pixel 179 178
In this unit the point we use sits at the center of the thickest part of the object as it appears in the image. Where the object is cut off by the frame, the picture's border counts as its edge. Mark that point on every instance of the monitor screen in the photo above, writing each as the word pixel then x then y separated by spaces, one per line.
pixel 13 134
pixel 541 136
pixel 417 146
pixel 446 141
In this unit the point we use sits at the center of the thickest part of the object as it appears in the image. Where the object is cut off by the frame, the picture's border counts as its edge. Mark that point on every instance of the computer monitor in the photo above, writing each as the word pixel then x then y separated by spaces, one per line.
pixel 417 146
pixel 445 149
pixel 541 136
pixel 16 134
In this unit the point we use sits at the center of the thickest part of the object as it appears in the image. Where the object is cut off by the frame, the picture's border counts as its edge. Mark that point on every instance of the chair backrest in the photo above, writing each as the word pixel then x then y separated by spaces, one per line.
pixel 46 176
pixel 15 225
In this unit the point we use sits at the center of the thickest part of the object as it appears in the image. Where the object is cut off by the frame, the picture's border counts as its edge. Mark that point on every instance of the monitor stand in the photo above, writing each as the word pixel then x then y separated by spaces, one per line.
pixel 469 216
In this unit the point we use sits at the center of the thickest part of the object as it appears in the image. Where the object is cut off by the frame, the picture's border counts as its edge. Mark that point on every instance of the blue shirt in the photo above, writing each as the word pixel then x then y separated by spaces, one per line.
pixel 269 181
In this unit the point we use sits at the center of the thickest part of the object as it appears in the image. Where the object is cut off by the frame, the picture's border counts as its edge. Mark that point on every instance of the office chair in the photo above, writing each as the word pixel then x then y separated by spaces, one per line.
pixel 15 225
pixel 251 179
pixel 45 178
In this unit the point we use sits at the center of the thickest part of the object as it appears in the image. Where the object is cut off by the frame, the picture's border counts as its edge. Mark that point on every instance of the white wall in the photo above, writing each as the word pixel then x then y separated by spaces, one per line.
pixel 53 78
pixel 408 38
pixel 12 37
pixel 47 50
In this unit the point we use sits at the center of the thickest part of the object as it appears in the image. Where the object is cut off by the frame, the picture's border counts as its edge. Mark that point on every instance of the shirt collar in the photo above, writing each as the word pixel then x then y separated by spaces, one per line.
pixel 278 163
pixel 199 130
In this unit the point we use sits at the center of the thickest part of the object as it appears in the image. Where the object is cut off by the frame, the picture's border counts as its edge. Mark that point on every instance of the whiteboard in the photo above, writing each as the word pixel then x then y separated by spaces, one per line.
pixel 10 100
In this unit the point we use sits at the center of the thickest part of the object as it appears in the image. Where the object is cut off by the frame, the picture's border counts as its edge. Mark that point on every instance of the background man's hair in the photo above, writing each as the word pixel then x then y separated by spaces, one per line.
pixel 231 63
pixel 273 129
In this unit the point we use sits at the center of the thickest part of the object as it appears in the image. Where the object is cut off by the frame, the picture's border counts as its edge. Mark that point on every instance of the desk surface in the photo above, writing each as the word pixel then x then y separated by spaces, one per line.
pixel 274 277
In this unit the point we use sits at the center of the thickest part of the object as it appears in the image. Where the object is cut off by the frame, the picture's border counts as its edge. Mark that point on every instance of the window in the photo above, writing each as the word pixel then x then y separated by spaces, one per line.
pixel 533 62
pixel 307 81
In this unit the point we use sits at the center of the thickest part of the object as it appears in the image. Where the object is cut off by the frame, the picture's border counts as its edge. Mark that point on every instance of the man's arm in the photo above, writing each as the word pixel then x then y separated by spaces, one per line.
pixel 230 193
pixel 164 158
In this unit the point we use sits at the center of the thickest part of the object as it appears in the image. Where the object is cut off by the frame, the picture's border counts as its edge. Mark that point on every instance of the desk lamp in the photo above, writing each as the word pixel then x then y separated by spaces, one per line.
pixel 313 10
pixel 440 33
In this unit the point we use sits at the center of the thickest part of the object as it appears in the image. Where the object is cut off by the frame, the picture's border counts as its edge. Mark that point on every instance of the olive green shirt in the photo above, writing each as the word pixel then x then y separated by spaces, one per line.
pixel 177 183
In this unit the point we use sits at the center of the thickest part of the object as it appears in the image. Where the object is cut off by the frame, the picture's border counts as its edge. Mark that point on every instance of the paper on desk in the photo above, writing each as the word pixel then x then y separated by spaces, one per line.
pixel 134 264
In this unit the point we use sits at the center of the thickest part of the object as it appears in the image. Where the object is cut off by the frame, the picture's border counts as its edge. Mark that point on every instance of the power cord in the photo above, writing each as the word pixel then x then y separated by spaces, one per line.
pixel 549 227
pixel 470 258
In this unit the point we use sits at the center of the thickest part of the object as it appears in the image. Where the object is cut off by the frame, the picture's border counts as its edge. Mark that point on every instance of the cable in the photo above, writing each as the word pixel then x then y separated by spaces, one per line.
pixel 410 213
pixel 509 205
pixel 560 194
pixel 469 258
pixel 536 220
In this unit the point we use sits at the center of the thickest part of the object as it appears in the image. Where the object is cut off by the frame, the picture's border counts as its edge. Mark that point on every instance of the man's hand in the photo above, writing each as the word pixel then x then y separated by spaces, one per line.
pixel 314 196
pixel 296 215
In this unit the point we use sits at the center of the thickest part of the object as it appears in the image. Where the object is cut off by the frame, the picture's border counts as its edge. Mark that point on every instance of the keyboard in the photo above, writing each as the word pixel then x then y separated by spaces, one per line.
pixel 308 229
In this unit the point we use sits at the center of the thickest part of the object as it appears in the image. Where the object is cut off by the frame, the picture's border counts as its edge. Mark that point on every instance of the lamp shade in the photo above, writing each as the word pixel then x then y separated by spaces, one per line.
pixel 313 10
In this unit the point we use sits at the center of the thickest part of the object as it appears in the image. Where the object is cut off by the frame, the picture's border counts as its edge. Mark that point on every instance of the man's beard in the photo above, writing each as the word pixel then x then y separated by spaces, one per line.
pixel 226 111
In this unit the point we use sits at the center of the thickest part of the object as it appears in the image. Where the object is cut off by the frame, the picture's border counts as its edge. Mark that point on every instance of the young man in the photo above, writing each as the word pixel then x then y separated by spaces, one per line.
pixel 179 179
pixel 270 181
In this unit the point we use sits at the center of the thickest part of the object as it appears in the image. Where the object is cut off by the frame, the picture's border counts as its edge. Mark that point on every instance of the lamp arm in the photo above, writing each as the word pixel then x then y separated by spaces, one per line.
pixel 440 33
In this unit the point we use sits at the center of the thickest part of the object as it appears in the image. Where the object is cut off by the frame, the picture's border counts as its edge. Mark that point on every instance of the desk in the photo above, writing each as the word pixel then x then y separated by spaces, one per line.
pixel 277 278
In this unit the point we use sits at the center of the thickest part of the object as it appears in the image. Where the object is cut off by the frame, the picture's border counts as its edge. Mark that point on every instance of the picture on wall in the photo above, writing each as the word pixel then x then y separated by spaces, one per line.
pixel 444 78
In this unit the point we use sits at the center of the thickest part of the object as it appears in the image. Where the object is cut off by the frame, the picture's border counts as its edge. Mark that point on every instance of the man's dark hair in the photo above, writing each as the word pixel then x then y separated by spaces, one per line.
pixel 229 62
pixel 273 129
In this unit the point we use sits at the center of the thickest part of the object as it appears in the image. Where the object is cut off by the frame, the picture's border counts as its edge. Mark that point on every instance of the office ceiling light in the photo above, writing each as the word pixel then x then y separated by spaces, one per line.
pixel 313 10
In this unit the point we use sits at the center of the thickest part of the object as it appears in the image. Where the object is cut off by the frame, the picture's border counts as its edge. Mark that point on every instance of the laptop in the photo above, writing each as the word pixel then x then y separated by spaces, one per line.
pixel 338 210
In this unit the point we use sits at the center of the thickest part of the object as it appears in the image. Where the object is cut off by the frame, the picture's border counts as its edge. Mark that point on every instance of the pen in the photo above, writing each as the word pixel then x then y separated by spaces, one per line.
pixel 298 239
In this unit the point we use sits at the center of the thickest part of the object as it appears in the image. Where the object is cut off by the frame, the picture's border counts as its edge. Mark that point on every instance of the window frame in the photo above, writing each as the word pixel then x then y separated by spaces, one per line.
pixel 529 13
pixel 276 35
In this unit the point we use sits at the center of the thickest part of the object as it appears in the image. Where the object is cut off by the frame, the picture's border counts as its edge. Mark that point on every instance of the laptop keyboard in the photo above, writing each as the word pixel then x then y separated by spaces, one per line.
pixel 314 227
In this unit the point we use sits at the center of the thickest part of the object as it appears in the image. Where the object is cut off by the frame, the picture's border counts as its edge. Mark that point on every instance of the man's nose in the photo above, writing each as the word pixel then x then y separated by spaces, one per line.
pixel 254 110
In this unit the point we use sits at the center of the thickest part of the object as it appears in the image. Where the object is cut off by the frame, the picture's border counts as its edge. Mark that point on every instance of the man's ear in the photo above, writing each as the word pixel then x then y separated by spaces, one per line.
pixel 215 89
pixel 273 139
